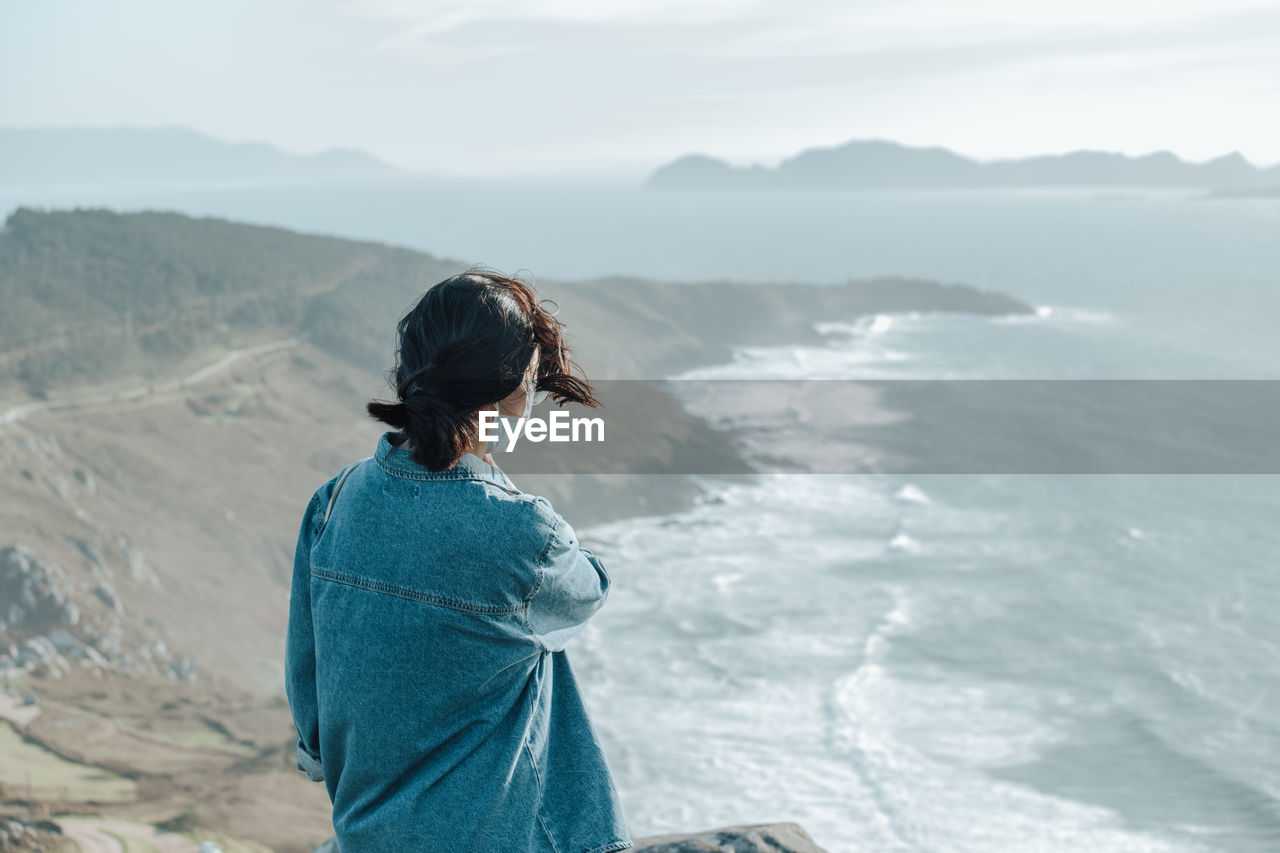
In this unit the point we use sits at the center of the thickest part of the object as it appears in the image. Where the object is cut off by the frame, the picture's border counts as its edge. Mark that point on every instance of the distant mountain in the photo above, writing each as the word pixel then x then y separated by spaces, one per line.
pixel 880 164
pixel 130 156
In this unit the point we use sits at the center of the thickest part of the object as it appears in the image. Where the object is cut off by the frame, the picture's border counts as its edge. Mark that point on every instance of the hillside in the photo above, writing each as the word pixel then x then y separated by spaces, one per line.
pixel 94 296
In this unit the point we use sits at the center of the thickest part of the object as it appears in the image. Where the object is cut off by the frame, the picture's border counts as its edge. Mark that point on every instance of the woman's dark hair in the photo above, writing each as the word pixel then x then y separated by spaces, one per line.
pixel 465 345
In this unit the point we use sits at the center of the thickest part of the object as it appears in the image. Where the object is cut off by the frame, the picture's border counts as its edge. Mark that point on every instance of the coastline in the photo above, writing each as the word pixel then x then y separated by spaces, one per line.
pixel 671 328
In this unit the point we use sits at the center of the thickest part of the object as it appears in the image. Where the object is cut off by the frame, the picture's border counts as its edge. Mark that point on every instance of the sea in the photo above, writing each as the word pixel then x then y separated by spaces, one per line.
pixel 959 662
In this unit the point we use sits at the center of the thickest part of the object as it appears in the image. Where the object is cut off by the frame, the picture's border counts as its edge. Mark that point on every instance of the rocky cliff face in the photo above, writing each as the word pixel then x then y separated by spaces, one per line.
pixel 51 620
pixel 755 838
pixel 21 835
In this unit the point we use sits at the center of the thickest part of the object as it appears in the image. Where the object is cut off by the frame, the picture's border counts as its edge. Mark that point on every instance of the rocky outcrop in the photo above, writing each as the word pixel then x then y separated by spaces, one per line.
pixel 34 594
pixel 17 834
pixel 48 622
pixel 753 838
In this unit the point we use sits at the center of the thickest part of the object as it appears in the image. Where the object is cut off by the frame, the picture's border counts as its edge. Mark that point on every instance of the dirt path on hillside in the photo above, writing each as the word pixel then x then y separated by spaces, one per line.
pixel 151 389
pixel 89 838
pixel 95 835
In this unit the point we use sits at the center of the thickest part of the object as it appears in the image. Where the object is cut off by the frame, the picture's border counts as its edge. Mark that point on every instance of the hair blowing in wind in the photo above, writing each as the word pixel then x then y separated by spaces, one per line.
pixel 464 346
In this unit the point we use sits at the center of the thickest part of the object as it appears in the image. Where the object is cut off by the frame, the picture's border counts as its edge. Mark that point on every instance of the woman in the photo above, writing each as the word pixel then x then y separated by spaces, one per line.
pixel 425 660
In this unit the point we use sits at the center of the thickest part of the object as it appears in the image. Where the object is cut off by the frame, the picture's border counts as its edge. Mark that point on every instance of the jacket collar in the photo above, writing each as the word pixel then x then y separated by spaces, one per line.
pixel 400 462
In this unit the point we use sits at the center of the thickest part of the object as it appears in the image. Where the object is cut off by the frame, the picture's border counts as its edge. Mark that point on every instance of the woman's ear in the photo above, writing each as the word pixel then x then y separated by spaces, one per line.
pixel 513 405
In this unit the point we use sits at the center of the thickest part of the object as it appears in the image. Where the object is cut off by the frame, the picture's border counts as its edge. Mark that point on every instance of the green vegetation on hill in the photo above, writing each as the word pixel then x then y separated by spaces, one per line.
pixel 91 293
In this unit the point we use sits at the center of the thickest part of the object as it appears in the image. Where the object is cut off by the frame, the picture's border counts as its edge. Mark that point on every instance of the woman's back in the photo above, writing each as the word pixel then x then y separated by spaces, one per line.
pixel 426 666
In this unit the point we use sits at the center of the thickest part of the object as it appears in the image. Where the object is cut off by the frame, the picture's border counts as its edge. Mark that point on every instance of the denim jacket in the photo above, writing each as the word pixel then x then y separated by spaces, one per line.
pixel 426 670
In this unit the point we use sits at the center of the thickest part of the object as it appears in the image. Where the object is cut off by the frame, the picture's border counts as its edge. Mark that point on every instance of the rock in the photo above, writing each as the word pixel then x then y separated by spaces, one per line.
pixel 86 480
pixel 35 592
pixel 97 565
pixel 62 482
pixel 40 651
pixel 755 838
pixel 65 643
pixel 108 597
pixel 43 628
pixel 40 654
pixel 109 642
pixel 20 835
pixel 139 569
pixel 182 670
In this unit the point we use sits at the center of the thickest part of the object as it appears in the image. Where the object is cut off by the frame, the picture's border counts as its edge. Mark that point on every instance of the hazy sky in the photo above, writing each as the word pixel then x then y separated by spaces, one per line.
pixel 525 86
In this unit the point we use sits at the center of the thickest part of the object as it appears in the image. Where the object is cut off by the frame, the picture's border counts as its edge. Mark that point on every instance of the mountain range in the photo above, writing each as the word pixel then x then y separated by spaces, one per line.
pixel 120 157
pixel 877 164
pixel 132 156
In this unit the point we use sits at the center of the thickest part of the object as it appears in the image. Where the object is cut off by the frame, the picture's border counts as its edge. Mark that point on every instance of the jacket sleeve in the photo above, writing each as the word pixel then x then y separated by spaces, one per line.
pixel 572 585
pixel 300 653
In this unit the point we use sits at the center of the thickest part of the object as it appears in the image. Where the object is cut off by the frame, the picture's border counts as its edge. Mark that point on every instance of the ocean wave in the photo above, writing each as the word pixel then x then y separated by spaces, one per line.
pixel 902 542
pixel 1058 314
pixel 921 748
pixel 912 494
pixel 873 324
pixel 843 359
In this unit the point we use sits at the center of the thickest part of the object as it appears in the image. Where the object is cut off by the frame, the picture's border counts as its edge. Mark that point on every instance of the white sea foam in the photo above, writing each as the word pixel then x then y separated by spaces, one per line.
pixel 1058 314
pixel 872 324
pixel 902 542
pixel 912 494
pixel 856 349
pixel 834 361
pixel 724 581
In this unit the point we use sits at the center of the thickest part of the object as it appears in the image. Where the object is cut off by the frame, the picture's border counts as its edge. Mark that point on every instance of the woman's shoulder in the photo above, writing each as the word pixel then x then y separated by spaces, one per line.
pixel 534 510
pixel 538 523
pixel 537 505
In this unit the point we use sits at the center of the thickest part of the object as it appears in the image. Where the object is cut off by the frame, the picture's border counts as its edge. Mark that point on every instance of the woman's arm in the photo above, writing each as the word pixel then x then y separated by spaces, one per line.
pixel 300 653
pixel 572 585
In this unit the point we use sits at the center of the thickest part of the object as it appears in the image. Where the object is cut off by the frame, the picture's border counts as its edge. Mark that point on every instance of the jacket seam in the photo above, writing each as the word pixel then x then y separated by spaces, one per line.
pixel 537 641
pixel 611 846
pixel 443 476
pixel 412 595
pixel 551 517
pixel 542 558
pixel 542 818
pixel 528 601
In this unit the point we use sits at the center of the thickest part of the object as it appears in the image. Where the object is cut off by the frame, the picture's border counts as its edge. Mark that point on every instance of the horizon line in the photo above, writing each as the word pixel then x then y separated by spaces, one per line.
pixel 627 165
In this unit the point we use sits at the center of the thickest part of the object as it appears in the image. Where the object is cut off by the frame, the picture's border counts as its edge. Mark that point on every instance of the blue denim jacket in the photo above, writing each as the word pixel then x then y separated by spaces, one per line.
pixel 426 667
